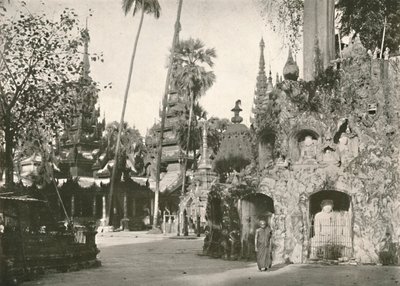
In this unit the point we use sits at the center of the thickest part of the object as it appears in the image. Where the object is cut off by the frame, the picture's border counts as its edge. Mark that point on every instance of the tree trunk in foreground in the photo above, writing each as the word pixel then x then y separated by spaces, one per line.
pixel 121 123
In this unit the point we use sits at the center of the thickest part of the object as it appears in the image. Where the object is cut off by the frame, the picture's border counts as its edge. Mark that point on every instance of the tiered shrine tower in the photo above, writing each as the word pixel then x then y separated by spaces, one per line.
pixel 80 144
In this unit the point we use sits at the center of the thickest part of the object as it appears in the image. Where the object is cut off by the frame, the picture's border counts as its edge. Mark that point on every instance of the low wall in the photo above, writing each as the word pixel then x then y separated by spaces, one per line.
pixel 27 255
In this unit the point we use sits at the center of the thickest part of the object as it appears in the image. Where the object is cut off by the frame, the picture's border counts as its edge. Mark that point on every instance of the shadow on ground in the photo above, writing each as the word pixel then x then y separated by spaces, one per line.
pixel 157 260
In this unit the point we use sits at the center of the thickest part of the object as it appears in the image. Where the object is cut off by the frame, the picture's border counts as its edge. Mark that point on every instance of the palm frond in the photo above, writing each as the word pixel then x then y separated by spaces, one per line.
pixel 127 6
pixel 150 7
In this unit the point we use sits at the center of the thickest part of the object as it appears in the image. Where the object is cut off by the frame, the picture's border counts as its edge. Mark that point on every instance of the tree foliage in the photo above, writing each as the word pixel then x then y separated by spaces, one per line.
pixel 191 74
pixel 285 17
pixel 131 145
pixel 147 6
pixel 216 129
pixel 367 19
pixel 192 77
pixel 40 76
pixel 182 128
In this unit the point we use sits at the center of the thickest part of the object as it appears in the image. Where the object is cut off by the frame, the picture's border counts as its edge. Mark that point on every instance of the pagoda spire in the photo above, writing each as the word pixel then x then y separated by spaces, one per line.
pixel 262 82
pixel 262 60
pixel 86 40
pixel 262 77
pixel 270 85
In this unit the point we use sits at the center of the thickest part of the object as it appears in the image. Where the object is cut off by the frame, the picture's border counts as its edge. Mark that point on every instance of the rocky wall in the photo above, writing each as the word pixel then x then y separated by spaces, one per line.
pixel 339 136
pixel 375 208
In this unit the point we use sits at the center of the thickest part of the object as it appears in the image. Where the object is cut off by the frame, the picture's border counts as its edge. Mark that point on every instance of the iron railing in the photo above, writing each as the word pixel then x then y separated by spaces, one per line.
pixel 331 240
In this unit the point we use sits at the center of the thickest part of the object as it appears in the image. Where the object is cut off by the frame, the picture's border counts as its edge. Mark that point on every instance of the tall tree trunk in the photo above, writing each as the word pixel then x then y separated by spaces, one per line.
pixel 121 123
pixel 196 122
pixel 9 162
pixel 163 114
pixel 187 144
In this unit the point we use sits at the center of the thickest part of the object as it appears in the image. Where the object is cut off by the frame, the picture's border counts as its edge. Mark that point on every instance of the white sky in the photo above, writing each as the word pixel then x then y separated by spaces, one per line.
pixel 233 27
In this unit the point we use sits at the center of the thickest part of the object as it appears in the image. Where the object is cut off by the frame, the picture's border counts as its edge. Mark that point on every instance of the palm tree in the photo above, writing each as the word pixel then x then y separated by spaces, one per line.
pixel 193 79
pixel 130 140
pixel 151 7
pixel 195 137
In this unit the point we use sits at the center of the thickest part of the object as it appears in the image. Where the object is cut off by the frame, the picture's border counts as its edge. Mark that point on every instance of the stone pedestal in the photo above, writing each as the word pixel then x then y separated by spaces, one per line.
pixel 125 224
pixel 90 238
pixel 2 262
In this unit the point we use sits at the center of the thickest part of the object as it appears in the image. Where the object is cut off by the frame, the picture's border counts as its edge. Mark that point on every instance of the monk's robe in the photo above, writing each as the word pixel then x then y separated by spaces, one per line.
pixel 263 246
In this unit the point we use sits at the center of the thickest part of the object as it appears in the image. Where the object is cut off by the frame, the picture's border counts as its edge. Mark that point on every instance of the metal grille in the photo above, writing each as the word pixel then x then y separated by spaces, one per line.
pixel 331 238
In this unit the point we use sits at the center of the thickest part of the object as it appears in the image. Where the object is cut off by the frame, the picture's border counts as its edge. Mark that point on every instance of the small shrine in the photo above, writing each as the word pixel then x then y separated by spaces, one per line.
pixel 236 148
pixel 193 203
pixel 79 146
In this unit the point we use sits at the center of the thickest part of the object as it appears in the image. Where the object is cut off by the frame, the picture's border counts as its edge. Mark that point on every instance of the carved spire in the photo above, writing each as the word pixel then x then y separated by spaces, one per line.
pixel 262 60
pixel 262 82
pixel 270 86
pixel 205 162
pixel 86 63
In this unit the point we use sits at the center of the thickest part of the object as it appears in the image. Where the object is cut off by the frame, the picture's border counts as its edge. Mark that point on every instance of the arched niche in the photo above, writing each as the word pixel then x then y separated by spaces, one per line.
pixel 331 225
pixel 303 145
pixel 253 208
pixel 341 201
pixel 266 145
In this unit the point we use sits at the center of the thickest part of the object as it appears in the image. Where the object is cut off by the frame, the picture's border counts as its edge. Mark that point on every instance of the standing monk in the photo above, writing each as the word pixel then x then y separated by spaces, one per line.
pixel 263 246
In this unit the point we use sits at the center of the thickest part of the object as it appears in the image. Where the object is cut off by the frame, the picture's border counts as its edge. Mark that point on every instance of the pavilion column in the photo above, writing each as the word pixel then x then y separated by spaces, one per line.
pixel 103 212
pixel 72 206
pixel 133 207
pixel 94 205
pixel 2 261
pixel 60 210
pixel 125 220
pixel 151 210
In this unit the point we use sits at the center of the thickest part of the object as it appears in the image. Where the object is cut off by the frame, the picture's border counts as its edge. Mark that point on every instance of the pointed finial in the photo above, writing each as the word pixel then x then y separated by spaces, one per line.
pixel 270 86
pixel 262 44
pixel 262 60
pixel 291 70
pixel 236 110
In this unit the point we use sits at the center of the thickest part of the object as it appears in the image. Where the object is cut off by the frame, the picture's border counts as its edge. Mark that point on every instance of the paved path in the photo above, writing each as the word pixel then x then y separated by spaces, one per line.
pixel 141 259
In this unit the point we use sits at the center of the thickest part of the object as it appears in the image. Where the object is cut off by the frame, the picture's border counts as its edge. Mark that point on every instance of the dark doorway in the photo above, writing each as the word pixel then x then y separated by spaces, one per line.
pixel 254 207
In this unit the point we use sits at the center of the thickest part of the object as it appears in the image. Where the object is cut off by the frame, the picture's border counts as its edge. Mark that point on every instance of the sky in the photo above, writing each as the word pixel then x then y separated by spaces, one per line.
pixel 233 27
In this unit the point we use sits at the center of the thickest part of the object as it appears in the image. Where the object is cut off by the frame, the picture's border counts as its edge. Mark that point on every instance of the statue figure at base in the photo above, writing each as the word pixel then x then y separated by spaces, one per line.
pixel 323 224
pixel 324 220
pixel 331 229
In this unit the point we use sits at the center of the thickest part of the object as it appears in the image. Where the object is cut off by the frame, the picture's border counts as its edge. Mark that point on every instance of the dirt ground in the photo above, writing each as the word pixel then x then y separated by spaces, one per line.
pixel 137 258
